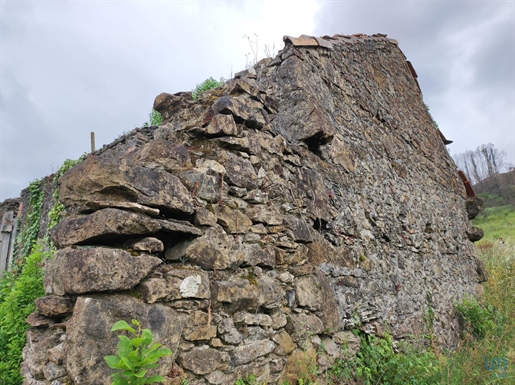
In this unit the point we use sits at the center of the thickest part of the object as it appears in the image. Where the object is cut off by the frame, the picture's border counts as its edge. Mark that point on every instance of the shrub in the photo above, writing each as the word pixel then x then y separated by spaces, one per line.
pixel 478 319
pixel 206 85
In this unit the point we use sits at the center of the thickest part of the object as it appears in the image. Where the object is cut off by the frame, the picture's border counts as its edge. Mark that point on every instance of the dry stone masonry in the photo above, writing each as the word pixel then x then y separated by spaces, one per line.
pixel 260 223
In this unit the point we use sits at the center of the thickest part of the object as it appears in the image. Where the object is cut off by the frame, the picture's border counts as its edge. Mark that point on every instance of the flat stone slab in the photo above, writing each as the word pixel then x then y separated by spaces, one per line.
pixel 98 269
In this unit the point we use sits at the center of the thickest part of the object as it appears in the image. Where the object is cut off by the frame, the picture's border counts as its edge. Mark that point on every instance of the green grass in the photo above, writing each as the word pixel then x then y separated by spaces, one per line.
pixel 489 325
pixel 497 222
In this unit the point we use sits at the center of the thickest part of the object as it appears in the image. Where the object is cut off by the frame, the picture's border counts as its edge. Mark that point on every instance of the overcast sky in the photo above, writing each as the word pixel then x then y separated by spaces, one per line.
pixel 72 67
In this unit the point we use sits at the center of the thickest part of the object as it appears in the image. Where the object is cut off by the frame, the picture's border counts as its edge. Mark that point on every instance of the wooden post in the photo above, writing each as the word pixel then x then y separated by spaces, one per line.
pixel 92 141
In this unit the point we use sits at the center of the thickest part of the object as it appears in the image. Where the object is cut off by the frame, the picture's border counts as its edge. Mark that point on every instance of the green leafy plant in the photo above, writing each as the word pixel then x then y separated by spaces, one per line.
pixel 435 125
pixel 478 319
pixel 249 380
pixel 381 361
pixel 27 238
pixel 55 213
pixel 17 294
pixel 154 119
pixel 136 356
pixel 206 85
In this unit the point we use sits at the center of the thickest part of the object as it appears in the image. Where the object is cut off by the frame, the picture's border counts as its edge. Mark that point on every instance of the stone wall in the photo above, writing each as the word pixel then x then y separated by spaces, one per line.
pixel 260 223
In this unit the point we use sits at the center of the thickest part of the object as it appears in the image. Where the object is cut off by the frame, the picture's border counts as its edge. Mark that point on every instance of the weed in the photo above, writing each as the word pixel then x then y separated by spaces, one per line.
pixel 249 380
pixel 154 119
pixel 251 58
pixel 136 356
pixel 478 319
pixel 378 363
pixel 20 286
pixel 206 85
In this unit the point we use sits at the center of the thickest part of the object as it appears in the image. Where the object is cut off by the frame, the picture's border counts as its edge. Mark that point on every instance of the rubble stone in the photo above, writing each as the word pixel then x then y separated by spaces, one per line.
pixel 309 196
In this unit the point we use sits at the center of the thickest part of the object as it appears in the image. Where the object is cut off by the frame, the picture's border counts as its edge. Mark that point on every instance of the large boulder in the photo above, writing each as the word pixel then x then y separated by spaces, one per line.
pixel 97 180
pixel 89 338
pixel 99 269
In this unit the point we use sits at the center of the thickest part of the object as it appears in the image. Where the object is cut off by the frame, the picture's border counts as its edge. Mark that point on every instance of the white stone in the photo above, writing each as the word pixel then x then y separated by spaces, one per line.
pixel 189 287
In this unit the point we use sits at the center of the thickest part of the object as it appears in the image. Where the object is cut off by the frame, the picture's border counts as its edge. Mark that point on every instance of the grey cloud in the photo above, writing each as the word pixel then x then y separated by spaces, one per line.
pixel 76 67
pixel 492 62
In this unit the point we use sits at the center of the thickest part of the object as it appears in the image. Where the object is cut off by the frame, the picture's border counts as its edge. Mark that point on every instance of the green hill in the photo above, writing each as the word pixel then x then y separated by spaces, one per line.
pixel 497 222
pixel 498 217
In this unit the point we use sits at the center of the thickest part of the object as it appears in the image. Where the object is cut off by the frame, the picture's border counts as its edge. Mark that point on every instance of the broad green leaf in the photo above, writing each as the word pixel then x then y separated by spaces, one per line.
pixel 154 379
pixel 147 361
pixel 128 363
pixel 152 348
pixel 155 355
pixel 134 356
pixel 120 381
pixel 140 373
pixel 147 336
pixel 124 346
pixel 113 361
pixel 136 342
pixel 122 325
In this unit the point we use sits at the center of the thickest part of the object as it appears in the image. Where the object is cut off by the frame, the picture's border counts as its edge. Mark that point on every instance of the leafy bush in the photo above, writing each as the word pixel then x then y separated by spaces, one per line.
pixel 17 294
pixel 206 85
pixel 478 319
pixel 136 356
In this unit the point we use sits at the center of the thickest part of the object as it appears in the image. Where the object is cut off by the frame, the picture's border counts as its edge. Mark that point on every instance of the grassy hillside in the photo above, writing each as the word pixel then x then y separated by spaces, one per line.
pixel 497 222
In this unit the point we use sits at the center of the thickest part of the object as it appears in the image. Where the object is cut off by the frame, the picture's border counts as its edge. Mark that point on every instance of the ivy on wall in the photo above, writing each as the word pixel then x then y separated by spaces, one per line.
pixel 24 283
pixel 58 208
pixel 27 238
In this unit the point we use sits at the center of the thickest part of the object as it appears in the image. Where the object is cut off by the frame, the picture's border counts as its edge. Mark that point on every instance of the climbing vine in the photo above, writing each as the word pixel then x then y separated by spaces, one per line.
pixel 58 208
pixel 20 287
pixel 24 283
pixel 17 295
pixel 27 239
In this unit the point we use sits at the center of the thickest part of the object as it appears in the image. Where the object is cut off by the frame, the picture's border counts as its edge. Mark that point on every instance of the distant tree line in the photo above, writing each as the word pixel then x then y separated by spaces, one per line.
pixel 489 172
pixel 482 163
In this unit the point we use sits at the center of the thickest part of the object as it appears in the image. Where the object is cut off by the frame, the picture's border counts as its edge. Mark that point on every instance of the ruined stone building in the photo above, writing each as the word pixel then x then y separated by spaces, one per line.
pixel 310 195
